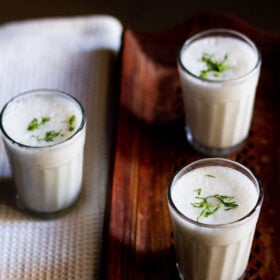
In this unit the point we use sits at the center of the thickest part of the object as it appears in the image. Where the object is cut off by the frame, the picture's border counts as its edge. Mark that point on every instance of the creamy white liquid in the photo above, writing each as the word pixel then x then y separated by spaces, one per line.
pixel 240 61
pixel 219 252
pixel 58 110
pixel 219 111
pixel 215 180
pixel 48 174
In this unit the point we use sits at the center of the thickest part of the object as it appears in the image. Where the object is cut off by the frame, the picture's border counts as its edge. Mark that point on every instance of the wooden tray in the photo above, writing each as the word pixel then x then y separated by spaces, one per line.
pixel 151 147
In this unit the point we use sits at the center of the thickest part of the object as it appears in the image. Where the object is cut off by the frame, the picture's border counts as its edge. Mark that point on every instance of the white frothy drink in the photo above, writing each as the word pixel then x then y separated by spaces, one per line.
pixel 214 207
pixel 44 133
pixel 219 72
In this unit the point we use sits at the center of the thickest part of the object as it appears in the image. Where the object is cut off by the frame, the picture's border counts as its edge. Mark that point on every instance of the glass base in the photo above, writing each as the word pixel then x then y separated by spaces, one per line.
pixel 210 151
pixel 181 276
pixel 45 215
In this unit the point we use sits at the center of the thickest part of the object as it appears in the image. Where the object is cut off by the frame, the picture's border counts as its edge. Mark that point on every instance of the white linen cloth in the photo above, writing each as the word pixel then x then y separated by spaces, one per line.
pixel 75 55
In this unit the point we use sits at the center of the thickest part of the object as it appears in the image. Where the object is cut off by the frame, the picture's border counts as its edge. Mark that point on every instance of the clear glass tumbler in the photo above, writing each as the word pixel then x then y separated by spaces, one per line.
pixel 207 246
pixel 44 135
pixel 219 72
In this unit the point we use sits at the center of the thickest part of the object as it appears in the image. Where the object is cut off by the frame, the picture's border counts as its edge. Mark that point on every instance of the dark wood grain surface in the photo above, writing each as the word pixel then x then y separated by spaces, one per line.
pixel 151 147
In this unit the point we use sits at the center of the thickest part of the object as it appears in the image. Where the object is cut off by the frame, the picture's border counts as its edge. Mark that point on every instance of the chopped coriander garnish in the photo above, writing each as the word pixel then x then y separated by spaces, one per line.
pixel 45 119
pixel 35 123
pixel 213 65
pixel 210 176
pixel 70 122
pixel 208 208
pixel 49 136
pixel 198 191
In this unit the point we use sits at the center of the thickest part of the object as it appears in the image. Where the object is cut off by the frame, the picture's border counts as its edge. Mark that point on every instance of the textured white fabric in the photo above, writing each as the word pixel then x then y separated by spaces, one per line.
pixel 74 55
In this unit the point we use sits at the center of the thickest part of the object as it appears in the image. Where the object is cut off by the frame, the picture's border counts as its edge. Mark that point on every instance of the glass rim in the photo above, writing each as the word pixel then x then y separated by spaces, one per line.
pixel 216 162
pixel 213 32
pixel 49 92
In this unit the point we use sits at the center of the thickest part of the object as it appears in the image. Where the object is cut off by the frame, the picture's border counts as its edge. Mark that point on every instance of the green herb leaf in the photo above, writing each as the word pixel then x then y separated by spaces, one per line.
pixel 198 191
pixel 35 123
pixel 45 120
pixel 210 176
pixel 70 122
pixel 213 65
pixel 208 208
pixel 49 136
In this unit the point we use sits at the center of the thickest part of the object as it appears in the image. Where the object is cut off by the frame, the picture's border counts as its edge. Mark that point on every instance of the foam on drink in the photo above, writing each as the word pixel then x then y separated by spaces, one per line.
pixel 214 180
pixel 241 58
pixel 57 112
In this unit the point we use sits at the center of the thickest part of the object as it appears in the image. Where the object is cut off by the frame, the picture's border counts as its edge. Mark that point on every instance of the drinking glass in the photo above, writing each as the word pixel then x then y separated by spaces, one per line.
pixel 213 251
pixel 219 72
pixel 48 177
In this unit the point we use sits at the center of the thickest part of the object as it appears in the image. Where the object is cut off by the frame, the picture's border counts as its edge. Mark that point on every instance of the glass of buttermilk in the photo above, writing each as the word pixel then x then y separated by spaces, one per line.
pixel 214 206
pixel 219 72
pixel 44 135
